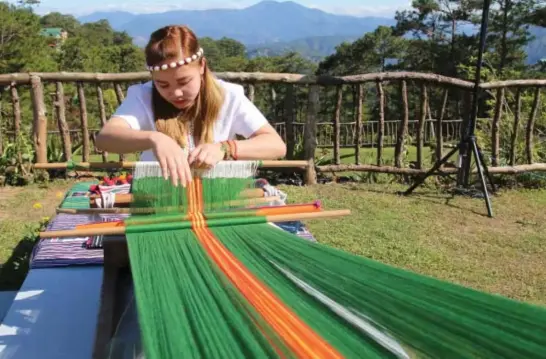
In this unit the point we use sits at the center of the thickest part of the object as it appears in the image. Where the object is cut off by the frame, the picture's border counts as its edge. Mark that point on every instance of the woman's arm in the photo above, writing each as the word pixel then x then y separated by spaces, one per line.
pixel 264 144
pixel 118 137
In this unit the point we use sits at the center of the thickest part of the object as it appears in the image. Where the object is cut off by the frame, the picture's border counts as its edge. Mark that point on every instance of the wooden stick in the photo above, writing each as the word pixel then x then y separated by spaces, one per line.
pixel 249 201
pixel 121 229
pixel 131 165
pixel 239 212
pixel 126 198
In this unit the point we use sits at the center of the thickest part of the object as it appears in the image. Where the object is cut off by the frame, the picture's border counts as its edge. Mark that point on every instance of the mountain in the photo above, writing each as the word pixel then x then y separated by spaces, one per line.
pixel 116 19
pixel 263 23
pixel 536 50
pixel 313 48
pixel 272 28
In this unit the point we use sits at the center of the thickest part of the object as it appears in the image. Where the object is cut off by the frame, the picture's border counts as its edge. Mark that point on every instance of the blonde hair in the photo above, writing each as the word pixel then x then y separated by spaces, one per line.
pixel 172 42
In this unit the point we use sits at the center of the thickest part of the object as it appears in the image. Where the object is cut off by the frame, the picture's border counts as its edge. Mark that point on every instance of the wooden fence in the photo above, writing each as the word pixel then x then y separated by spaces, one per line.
pixel 319 111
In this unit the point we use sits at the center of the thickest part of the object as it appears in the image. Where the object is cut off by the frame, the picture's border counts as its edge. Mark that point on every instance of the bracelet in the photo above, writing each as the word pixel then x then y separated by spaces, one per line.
pixel 230 150
pixel 233 149
pixel 225 148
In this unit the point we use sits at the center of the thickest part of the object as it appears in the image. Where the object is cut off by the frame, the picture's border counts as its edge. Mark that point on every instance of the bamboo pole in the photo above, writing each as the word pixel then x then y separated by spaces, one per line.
pixel 187 224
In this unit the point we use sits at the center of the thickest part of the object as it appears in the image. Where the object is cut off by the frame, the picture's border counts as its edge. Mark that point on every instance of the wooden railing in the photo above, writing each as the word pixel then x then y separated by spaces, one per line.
pixel 315 111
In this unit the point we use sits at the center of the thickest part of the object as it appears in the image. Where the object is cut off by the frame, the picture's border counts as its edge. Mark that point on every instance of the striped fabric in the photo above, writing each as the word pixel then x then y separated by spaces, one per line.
pixel 59 252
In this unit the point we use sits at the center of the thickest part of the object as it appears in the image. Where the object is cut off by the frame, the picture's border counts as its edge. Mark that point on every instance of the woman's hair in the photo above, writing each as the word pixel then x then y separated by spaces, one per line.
pixel 179 42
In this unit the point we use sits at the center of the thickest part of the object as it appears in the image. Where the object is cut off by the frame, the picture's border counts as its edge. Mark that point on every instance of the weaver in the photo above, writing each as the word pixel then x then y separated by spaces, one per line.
pixel 213 283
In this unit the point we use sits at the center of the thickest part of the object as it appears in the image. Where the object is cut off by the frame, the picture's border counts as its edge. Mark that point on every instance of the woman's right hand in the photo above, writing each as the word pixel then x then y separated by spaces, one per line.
pixel 172 159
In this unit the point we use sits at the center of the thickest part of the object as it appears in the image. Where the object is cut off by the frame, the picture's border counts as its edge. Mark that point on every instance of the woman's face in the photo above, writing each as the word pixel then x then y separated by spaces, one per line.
pixel 180 85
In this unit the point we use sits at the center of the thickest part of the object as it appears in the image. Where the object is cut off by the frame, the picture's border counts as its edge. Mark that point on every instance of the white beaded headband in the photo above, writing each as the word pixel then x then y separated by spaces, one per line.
pixel 174 64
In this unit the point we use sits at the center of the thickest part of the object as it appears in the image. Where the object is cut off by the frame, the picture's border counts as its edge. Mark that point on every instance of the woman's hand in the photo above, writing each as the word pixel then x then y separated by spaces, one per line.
pixel 171 158
pixel 206 155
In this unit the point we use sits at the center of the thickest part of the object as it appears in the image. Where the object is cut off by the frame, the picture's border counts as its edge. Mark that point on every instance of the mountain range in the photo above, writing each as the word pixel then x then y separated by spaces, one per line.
pixel 268 27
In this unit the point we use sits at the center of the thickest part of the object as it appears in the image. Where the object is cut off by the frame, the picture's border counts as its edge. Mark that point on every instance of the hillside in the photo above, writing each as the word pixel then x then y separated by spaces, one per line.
pixel 314 48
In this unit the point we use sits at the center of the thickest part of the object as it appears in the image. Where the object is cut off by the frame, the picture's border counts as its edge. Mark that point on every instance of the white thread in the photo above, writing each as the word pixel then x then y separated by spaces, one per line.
pixel 355 319
pixel 271 191
pixel 223 169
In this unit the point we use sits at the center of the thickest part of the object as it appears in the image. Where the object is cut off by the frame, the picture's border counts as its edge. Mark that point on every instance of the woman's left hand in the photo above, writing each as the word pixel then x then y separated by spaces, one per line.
pixel 206 155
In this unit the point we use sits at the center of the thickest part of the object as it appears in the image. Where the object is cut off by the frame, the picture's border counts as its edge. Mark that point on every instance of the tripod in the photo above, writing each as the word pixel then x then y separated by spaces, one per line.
pixel 468 145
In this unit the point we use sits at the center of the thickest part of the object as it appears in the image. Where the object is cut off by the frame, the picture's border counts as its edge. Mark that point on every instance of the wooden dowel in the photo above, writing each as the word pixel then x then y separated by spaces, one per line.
pixel 121 230
pixel 249 211
pixel 126 198
pixel 130 165
pixel 248 201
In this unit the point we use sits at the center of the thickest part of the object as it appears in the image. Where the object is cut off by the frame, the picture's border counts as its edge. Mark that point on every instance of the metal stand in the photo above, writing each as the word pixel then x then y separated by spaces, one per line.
pixel 468 142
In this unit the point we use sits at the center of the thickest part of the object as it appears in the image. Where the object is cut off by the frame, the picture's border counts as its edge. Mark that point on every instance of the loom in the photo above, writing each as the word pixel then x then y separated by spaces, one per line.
pixel 214 279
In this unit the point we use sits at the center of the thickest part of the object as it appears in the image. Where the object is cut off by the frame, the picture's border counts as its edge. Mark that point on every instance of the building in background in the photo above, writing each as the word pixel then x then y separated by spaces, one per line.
pixel 57 34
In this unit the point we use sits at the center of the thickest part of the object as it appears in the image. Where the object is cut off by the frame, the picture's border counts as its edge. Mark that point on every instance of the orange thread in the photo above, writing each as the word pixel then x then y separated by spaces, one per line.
pixel 296 334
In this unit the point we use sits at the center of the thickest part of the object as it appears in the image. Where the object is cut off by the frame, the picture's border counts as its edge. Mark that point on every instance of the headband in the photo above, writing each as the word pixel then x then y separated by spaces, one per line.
pixel 174 64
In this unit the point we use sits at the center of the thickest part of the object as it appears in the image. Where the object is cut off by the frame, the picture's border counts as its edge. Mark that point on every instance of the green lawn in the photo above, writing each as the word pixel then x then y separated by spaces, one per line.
pixel 434 234
pixel 429 232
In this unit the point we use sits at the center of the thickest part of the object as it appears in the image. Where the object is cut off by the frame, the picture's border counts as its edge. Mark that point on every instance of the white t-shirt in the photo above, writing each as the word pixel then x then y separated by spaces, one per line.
pixel 238 115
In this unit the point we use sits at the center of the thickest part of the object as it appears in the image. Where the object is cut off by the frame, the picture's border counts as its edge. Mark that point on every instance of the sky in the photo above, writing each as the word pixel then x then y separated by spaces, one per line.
pixel 343 7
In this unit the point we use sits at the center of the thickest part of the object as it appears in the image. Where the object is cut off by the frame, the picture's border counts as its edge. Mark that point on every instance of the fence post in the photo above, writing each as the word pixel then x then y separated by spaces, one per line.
pixel 310 134
pixel 289 115
pixel 40 119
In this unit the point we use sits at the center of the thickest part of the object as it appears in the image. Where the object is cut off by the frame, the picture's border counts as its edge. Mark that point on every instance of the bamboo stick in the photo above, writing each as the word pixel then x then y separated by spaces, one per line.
pixel 248 201
pixel 130 165
pixel 186 224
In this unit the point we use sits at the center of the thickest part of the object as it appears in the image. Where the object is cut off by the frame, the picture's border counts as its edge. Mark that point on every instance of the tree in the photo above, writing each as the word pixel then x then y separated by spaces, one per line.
pixel 435 24
pixel 537 17
pixel 369 53
pixel 22 48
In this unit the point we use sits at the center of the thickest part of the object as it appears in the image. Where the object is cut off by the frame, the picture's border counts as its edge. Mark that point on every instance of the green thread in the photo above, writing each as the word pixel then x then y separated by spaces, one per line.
pixel 188 309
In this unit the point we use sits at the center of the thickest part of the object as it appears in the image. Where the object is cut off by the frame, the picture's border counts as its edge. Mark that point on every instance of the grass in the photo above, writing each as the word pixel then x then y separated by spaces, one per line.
pixel 428 232
pixel 22 211
pixel 434 234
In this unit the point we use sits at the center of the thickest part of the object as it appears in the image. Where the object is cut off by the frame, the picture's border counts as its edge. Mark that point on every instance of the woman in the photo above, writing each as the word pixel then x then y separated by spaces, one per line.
pixel 185 116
